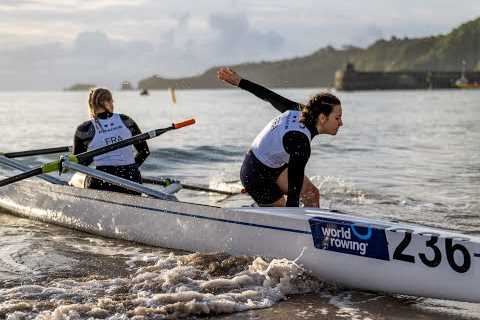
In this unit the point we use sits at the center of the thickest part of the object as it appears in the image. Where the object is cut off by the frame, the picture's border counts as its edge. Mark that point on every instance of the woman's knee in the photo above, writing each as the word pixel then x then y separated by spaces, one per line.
pixel 316 193
pixel 311 191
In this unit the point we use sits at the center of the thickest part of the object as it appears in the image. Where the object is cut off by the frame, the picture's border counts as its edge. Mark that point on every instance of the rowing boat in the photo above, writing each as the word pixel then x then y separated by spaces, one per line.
pixel 355 252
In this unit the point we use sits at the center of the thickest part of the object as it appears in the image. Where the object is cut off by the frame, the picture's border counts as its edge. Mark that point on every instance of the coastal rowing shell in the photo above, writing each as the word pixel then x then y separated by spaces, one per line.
pixel 356 252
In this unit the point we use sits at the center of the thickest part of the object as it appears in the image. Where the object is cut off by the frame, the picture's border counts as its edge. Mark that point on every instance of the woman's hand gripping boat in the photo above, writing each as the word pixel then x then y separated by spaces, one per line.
pixel 355 252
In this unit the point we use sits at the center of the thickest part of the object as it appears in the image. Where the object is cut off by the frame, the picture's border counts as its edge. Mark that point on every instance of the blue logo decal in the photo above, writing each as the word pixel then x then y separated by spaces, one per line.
pixel 362 237
pixel 346 237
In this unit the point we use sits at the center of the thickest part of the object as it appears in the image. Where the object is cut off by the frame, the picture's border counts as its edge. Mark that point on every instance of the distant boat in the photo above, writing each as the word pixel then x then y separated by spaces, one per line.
pixel 144 92
pixel 463 82
pixel 126 86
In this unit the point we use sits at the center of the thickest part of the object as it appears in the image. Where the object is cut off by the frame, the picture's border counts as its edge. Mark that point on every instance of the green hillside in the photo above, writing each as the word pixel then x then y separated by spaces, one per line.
pixel 436 53
pixel 440 53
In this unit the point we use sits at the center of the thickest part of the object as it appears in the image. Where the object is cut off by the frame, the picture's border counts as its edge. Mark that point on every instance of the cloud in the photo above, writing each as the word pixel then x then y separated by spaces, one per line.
pixel 50 44
pixel 366 35
pixel 194 46
pixel 10 4
pixel 66 6
pixel 95 57
pixel 93 43
pixel 236 37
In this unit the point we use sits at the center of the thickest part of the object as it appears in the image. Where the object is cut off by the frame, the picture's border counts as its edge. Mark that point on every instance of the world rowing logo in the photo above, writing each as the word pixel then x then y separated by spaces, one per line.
pixel 350 238
pixel 342 238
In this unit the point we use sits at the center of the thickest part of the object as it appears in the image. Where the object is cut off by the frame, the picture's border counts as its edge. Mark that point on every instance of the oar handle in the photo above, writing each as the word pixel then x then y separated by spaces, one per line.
pixel 21 176
pixel 167 181
pixel 199 188
pixel 164 182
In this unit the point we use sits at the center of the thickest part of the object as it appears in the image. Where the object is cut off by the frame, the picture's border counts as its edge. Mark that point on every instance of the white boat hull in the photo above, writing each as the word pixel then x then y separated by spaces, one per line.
pixel 353 251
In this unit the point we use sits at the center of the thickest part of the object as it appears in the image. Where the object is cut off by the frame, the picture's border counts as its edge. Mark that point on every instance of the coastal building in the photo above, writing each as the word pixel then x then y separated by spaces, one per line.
pixel 350 79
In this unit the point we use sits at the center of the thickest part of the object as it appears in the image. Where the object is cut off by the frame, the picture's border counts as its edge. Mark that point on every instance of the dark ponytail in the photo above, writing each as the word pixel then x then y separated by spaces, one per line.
pixel 321 103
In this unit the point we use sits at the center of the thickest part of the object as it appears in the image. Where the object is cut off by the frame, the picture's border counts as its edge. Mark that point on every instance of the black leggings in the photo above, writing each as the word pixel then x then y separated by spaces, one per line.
pixel 129 172
pixel 260 181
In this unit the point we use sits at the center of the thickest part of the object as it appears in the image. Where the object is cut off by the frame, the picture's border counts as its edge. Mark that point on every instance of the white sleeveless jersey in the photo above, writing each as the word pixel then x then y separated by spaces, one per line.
pixel 108 131
pixel 268 145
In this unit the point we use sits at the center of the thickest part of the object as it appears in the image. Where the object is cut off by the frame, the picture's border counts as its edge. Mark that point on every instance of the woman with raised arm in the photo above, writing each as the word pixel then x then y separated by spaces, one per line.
pixel 106 127
pixel 275 164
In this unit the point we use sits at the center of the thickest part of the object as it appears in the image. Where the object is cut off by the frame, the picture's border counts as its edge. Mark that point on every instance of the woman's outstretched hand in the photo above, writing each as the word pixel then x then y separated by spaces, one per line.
pixel 229 76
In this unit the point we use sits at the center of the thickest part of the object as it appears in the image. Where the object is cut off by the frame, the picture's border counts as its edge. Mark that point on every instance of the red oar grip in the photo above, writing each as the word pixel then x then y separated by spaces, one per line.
pixel 183 123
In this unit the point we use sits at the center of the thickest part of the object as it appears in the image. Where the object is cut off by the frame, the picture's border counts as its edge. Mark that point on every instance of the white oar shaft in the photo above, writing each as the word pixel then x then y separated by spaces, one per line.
pixel 130 185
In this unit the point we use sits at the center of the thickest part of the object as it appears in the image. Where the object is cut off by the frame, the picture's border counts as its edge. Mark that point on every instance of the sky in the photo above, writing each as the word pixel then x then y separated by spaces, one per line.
pixel 52 44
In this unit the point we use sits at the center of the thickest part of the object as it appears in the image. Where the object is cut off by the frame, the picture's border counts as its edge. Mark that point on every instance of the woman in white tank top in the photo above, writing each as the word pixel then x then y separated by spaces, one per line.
pixel 106 127
pixel 275 164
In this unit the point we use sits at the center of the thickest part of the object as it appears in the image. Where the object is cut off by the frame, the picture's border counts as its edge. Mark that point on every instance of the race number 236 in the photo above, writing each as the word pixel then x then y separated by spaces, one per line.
pixel 450 250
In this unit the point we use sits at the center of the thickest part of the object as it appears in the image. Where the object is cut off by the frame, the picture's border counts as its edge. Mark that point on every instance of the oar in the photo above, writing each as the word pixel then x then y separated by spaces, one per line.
pixel 86 156
pixel 37 152
pixel 167 181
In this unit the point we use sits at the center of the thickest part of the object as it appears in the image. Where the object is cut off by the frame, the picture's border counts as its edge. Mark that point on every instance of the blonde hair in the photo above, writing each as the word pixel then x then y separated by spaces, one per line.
pixel 96 99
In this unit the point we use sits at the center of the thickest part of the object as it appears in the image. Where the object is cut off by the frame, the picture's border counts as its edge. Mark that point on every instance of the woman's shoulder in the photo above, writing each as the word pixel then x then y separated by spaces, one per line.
pixel 85 130
pixel 124 116
pixel 127 120
pixel 85 126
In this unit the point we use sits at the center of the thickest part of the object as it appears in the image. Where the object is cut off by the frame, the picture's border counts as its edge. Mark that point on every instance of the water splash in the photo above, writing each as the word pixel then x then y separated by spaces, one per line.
pixel 334 190
pixel 166 287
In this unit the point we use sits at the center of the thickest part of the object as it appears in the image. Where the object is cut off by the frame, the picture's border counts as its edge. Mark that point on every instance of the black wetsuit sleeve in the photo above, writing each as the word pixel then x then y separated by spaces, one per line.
pixel 83 136
pixel 297 146
pixel 280 103
pixel 142 147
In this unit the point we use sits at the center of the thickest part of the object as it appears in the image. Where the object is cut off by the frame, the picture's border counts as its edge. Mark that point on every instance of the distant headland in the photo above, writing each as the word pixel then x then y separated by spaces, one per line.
pixel 428 55
pixel 80 87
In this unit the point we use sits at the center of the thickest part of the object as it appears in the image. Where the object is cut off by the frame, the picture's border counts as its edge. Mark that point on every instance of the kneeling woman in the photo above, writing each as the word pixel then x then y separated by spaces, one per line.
pixel 106 127
pixel 275 164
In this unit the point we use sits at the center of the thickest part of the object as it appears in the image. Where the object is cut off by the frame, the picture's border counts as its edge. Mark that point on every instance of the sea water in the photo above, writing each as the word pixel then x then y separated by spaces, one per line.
pixel 412 156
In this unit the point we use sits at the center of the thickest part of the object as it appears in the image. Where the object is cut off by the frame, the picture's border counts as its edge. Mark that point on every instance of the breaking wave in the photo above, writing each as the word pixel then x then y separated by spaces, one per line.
pixel 176 286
